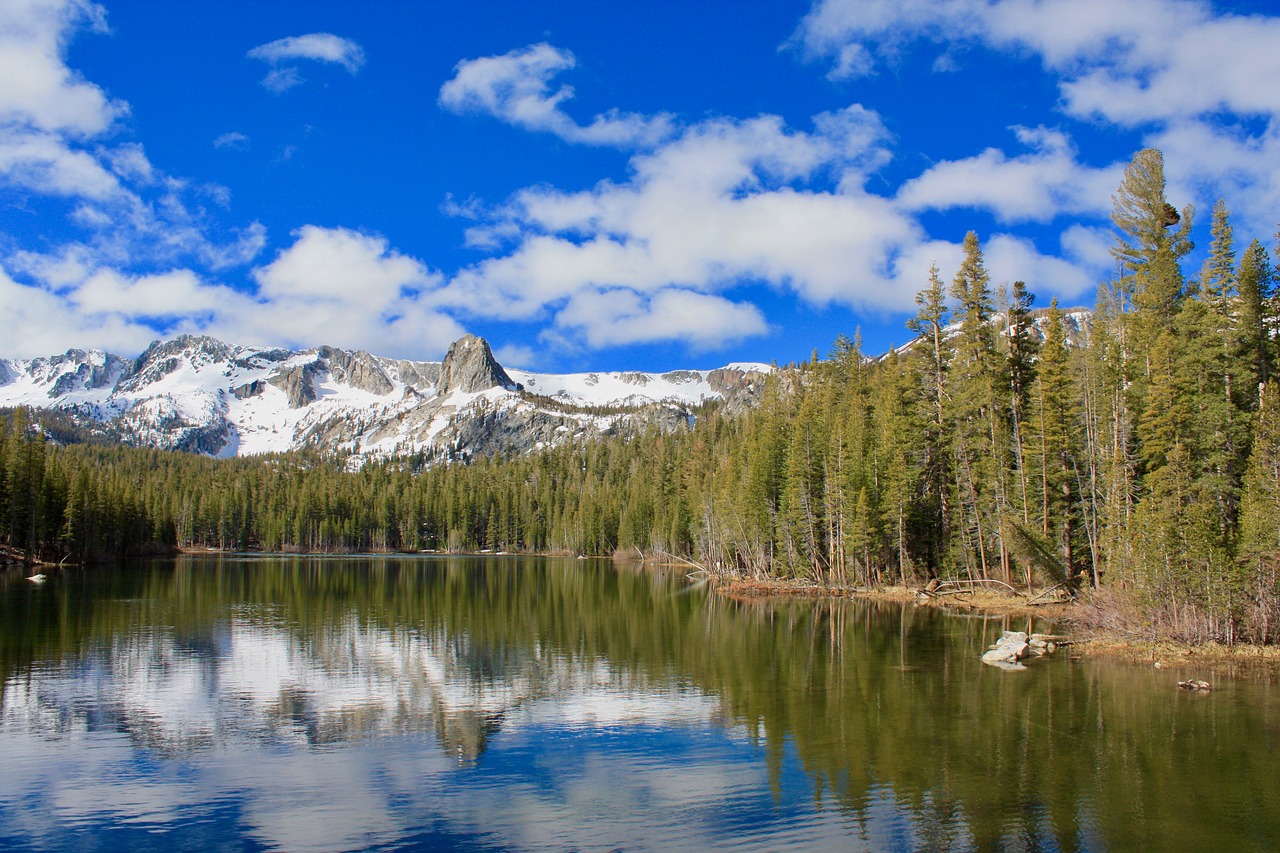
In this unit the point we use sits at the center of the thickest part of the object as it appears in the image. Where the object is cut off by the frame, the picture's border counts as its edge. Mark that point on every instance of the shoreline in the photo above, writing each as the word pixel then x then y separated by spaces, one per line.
pixel 1079 619
pixel 1087 639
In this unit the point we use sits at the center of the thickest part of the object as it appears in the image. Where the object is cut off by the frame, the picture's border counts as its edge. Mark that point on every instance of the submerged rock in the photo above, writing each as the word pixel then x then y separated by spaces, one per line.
pixel 1013 647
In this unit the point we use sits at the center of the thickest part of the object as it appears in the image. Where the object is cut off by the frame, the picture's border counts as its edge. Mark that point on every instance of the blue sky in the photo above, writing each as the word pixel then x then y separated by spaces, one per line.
pixel 595 186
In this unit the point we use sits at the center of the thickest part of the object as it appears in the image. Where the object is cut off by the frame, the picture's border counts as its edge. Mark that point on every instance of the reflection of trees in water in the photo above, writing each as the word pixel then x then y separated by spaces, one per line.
pixel 304 653
pixel 877 702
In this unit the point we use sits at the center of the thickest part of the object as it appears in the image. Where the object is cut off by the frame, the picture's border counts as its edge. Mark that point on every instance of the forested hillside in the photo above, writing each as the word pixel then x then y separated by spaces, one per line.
pixel 1144 458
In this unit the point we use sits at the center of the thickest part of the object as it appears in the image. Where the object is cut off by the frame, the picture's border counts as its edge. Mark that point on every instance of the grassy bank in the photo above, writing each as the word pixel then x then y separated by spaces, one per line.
pixel 1097 626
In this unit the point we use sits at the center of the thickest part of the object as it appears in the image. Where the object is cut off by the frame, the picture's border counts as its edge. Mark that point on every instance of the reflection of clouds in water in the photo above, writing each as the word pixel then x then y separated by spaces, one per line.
pixel 552 789
pixel 303 800
pixel 352 736
pixel 322 741
pixel 261 681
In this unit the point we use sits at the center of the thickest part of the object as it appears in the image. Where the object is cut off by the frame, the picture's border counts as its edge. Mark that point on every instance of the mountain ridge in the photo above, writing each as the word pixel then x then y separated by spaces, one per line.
pixel 200 394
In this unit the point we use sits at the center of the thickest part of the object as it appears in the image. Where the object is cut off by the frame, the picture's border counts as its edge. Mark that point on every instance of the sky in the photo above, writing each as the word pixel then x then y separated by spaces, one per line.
pixel 596 186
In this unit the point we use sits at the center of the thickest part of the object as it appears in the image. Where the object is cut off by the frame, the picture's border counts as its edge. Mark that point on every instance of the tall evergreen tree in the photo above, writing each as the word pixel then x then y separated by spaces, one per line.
pixel 1020 370
pixel 979 434
pixel 1255 282
pixel 1147 251
pixel 1056 413
pixel 929 324
pixel 1260 521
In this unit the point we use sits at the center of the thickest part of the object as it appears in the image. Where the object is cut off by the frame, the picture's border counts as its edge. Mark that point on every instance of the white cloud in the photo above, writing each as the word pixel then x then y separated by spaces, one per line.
pixel 516 88
pixel 517 356
pixel 104 309
pixel 331 286
pixel 618 317
pixel 1128 61
pixel 44 163
pixel 321 47
pixel 728 203
pixel 344 288
pixel 37 90
pixel 55 142
pixel 1204 163
pixel 1044 184
pixel 174 294
pixel 1193 81
pixel 317 47
pixel 234 140
pixel 1010 258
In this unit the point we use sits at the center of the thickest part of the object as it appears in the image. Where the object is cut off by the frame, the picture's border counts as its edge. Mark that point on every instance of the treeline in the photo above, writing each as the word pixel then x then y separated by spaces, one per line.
pixel 1136 448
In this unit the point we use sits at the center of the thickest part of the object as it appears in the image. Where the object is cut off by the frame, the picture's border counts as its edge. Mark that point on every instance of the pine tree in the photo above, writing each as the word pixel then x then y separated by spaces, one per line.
pixel 1255 282
pixel 1147 252
pixel 898 456
pixel 979 435
pixel 1259 546
pixel 1055 407
pixel 1020 370
pixel 929 324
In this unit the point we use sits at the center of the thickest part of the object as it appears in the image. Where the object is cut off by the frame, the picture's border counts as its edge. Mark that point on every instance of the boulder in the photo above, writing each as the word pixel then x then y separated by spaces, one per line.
pixel 1009 649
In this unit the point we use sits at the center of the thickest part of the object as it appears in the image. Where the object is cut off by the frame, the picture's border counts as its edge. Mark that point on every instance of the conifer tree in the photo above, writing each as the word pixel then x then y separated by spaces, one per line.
pixel 1020 370
pixel 979 434
pixel 929 324
pixel 1147 251
pixel 898 453
pixel 1260 520
pixel 1055 407
pixel 1255 282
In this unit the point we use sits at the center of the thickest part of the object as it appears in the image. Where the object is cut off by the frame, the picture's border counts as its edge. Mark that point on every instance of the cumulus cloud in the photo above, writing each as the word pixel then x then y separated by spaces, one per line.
pixel 1126 61
pixel 282 55
pixel 728 203
pixel 57 146
pixel 332 286
pixel 1047 182
pixel 1192 80
pixel 516 88
pixel 1205 162
pixel 77 307
pixel 345 288
pixel 1010 258
pixel 619 317
pixel 709 211
pixel 37 89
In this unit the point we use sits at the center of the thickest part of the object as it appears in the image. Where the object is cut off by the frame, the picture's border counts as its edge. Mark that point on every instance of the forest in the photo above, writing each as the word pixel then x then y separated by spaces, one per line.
pixel 1132 449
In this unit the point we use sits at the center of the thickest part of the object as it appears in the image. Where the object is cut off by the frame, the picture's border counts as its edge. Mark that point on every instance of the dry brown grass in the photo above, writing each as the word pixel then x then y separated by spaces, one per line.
pixel 1099 624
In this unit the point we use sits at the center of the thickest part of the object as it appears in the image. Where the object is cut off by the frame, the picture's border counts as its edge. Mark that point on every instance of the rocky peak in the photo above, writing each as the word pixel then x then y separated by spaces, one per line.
pixel 358 369
pixel 470 367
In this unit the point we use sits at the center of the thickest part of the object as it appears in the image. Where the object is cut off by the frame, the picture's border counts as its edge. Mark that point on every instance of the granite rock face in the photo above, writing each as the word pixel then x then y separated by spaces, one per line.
pixel 470 367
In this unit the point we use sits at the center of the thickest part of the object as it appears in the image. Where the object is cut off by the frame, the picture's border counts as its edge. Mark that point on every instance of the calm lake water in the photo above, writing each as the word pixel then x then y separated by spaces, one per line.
pixel 304 704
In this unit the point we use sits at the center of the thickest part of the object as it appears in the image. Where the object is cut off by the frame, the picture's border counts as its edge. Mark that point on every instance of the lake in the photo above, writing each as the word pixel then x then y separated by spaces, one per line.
pixel 511 703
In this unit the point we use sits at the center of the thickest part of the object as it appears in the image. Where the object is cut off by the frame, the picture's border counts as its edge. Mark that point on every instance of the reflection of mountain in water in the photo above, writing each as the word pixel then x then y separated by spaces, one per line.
pixel 254 678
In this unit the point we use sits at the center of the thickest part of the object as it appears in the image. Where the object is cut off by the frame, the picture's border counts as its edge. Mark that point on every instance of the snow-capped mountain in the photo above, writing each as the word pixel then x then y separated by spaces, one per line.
pixel 203 395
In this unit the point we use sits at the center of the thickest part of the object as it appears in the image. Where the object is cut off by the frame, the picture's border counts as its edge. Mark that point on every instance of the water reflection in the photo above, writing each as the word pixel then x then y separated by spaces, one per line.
pixel 304 704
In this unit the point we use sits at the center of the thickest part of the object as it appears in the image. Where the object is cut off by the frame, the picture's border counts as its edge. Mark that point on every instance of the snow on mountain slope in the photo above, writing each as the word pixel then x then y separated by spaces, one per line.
pixel 202 395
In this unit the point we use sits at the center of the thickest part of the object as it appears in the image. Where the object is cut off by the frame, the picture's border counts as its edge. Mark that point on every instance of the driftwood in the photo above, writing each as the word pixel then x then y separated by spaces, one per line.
pixel 1056 588
pixel 961 586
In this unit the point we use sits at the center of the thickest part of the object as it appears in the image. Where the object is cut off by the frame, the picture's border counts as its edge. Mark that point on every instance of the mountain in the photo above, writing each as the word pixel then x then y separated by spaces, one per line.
pixel 200 394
